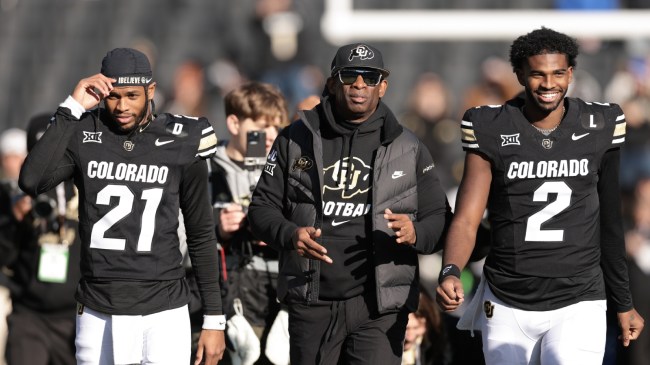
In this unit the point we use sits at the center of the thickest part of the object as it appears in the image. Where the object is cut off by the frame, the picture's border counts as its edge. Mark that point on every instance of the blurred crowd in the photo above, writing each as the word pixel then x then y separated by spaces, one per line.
pixel 431 108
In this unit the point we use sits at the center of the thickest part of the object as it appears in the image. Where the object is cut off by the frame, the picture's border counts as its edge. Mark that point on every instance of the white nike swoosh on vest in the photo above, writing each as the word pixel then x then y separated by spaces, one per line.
pixel 162 143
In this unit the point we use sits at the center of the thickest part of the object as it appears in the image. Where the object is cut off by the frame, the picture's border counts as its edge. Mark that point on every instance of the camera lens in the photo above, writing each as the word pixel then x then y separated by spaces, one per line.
pixel 44 207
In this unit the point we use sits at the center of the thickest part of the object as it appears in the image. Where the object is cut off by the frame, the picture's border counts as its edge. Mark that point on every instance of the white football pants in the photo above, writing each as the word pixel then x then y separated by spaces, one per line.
pixel 567 336
pixel 159 338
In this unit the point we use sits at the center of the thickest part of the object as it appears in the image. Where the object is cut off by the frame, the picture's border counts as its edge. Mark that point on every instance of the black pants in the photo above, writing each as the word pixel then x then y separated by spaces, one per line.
pixel 38 339
pixel 345 332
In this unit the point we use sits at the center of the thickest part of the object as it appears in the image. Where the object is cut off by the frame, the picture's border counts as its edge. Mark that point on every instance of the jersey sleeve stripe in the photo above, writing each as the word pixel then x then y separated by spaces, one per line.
pixel 620 117
pixel 207 142
pixel 207 153
pixel 468 137
pixel 619 131
pixel 207 130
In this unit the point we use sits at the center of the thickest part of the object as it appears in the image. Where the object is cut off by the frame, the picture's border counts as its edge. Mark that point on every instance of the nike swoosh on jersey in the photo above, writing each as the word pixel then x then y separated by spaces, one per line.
pixel 162 143
pixel 335 223
pixel 575 138
pixel 397 174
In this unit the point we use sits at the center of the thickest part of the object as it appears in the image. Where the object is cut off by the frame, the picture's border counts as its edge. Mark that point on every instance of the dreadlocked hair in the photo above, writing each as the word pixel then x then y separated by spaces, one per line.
pixel 542 41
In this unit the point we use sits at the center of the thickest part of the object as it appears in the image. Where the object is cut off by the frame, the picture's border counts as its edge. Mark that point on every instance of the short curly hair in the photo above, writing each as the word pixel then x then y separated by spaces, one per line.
pixel 542 41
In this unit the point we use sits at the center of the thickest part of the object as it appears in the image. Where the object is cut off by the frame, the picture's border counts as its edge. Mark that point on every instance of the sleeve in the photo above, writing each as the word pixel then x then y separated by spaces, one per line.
pixel 50 161
pixel 618 136
pixel 201 240
pixel 266 212
pixel 208 140
pixel 468 135
pixel 612 242
pixel 434 212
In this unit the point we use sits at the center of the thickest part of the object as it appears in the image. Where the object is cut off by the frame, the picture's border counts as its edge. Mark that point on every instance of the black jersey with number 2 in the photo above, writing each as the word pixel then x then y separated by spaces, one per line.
pixel 544 204
pixel 131 188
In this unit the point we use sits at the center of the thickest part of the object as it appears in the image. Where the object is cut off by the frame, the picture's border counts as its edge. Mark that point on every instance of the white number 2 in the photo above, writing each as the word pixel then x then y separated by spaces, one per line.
pixel 123 208
pixel 534 230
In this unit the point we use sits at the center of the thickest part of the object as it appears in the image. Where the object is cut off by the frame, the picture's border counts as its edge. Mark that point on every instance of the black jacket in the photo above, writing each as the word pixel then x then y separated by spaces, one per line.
pixel 289 195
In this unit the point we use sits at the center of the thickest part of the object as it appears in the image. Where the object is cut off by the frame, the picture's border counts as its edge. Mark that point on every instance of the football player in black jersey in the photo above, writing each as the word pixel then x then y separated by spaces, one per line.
pixel 546 166
pixel 134 171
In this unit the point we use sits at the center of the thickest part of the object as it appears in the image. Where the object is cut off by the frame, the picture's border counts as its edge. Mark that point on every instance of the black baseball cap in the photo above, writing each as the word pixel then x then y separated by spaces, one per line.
pixel 359 55
pixel 128 66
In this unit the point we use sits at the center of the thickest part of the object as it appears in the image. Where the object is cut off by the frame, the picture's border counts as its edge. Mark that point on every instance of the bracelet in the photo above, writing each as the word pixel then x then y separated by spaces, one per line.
pixel 448 270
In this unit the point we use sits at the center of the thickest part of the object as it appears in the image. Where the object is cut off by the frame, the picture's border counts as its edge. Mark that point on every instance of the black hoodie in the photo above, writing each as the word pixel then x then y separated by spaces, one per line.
pixel 348 156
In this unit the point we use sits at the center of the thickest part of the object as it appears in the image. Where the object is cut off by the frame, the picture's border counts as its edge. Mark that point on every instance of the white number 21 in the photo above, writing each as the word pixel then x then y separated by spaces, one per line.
pixel 123 208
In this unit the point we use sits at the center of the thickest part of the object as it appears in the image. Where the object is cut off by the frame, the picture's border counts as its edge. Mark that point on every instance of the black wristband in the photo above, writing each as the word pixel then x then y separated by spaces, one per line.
pixel 448 270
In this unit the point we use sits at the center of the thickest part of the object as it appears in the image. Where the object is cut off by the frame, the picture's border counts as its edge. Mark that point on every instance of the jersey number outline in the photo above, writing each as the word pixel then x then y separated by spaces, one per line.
pixel 123 208
pixel 534 231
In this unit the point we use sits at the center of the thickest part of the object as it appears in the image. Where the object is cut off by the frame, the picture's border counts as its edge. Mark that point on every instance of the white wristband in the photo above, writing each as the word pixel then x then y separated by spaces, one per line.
pixel 76 109
pixel 214 322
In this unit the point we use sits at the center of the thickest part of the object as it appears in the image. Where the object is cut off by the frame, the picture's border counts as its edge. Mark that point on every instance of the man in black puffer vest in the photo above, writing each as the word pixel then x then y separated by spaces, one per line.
pixel 349 198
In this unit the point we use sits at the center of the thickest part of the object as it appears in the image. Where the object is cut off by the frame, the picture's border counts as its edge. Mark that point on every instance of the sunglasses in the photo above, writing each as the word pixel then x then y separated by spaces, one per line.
pixel 349 76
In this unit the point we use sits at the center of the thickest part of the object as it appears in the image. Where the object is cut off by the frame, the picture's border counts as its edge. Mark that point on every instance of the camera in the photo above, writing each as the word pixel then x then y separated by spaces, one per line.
pixel 44 207
pixel 255 148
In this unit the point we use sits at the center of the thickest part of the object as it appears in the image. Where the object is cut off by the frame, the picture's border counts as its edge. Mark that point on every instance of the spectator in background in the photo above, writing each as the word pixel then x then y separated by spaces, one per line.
pixel 635 155
pixel 254 114
pixel 497 84
pixel 426 341
pixel 192 94
pixel 637 244
pixel 13 150
pixel 428 116
pixel 45 273
pixel 307 103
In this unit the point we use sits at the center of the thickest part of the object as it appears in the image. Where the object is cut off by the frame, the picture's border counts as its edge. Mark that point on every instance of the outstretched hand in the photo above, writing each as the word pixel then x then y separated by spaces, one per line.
pixel 631 324
pixel 403 227
pixel 91 90
pixel 303 242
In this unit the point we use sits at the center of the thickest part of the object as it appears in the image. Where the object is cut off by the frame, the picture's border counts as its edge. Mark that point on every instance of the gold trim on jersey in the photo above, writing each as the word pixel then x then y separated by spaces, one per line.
pixel 208 142
pixel 619 131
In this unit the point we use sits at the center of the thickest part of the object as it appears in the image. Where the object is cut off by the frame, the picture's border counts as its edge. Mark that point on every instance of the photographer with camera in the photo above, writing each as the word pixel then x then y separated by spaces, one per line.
pixel 45 269
pixel 14 205
pixel 254 114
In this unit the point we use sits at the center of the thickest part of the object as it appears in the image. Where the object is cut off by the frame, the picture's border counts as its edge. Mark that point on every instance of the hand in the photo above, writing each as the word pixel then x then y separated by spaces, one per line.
pixel 231 220
pixel 91 90
pixel 212 344
pixel 450 294
pixel 21 207
pixel 631 324
pixel 303 242
pixel 403 227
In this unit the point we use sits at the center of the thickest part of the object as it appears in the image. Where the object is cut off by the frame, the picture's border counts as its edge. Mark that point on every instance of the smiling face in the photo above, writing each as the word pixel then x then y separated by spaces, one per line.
pixel 356 101
pixel 127 105
pixel 546 78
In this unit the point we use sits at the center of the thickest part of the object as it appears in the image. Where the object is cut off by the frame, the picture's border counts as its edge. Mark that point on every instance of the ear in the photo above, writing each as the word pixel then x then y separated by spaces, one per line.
pixel 520 77
pixel 383 86
pixel 232 122
pixel 151 90
pixel 570 71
